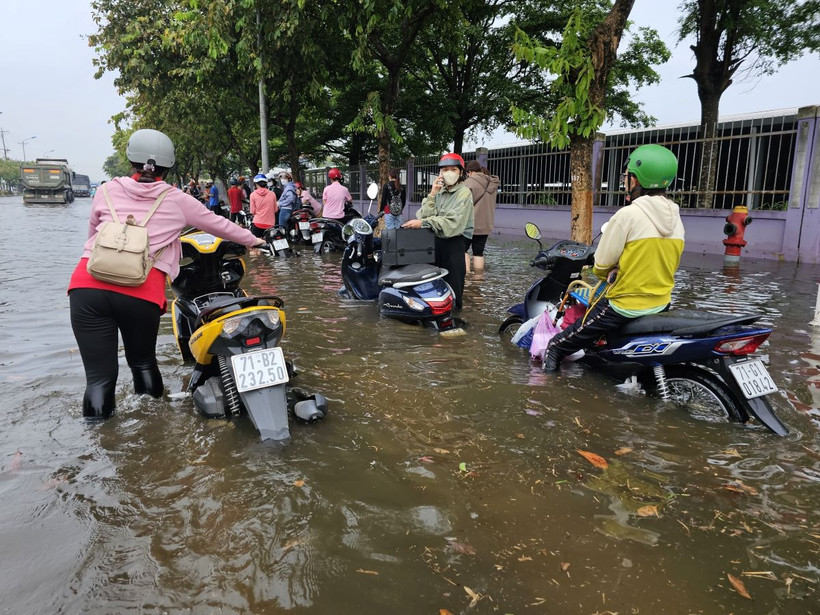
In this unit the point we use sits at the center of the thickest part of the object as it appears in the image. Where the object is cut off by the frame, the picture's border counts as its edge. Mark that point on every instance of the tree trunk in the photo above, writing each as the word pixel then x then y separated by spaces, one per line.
pixel 603 45
pixel 458 139
pixel 709 159
pixel 290 136
pixel 580 165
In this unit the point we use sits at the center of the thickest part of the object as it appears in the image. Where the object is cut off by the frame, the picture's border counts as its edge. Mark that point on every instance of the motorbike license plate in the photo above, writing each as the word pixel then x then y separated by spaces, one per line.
pixel 259 369
pixel 753 378
pixel 280 244
pixel 317 237
pixel 304 226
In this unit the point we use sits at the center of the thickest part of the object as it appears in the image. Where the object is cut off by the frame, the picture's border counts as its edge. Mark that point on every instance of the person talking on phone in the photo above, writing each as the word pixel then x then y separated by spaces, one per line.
pixel 448 210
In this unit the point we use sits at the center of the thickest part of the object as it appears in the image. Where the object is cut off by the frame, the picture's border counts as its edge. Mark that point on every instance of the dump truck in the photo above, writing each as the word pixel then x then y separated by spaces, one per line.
pixel 81 185
pixel 48 180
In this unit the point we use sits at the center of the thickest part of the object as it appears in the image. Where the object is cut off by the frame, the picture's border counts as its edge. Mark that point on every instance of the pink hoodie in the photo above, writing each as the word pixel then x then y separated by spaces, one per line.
pixel 176 212
pixel 263 208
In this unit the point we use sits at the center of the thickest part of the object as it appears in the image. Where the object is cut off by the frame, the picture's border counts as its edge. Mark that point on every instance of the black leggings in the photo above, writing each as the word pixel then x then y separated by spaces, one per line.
pixel 478 242
pixel 450 256
pixel 584 332
pixel 96 316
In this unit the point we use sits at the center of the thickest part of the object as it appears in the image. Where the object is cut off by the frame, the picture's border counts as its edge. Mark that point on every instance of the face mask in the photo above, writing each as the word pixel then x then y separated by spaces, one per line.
pixel 450 177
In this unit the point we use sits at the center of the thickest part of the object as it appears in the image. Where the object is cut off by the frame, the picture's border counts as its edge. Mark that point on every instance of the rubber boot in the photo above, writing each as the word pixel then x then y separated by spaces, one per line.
pixel 552 360
pixel 147 381
pixel 98 403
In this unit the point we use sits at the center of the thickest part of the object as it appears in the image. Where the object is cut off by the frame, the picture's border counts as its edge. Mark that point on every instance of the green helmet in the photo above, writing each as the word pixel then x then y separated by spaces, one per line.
pixel 653 165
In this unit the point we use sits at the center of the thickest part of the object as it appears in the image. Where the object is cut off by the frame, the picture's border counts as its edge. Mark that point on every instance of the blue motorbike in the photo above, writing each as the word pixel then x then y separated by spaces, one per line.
pixel 700 360
pixel 414 293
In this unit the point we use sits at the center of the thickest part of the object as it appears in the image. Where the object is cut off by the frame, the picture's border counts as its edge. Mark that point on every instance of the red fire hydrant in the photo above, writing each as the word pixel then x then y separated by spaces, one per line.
pixel 736 223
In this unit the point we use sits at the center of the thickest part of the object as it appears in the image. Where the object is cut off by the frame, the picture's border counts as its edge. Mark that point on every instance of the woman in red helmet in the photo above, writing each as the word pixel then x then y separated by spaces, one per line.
pixel 448 210
pixel 335 196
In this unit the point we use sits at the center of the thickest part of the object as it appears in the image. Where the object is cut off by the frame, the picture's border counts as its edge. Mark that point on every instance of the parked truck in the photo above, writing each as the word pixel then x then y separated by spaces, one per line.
pixel 81 185
pixel 48 180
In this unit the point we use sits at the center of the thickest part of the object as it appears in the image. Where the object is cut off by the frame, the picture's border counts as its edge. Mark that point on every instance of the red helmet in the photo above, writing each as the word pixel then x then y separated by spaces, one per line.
pixel 334 173
pixel 451 160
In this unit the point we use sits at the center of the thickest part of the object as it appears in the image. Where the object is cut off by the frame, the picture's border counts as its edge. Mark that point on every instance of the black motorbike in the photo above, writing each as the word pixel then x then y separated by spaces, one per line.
pixel 277 238
pixel 326 233
pixel 298 227
pixel 414 292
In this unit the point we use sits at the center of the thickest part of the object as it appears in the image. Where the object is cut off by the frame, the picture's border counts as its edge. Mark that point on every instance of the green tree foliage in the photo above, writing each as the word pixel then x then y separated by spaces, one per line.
pixel 582 66
pixel 10 172
pixel 385 34
pixel 751 36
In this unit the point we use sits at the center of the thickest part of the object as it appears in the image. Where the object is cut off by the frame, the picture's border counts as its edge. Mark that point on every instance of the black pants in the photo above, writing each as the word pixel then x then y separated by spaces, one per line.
pixel 450 256
pixel 583 333
pixel 96 316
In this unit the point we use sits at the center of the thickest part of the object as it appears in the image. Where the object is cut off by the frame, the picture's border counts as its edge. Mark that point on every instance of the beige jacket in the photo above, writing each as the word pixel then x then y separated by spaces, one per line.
pixel 484 189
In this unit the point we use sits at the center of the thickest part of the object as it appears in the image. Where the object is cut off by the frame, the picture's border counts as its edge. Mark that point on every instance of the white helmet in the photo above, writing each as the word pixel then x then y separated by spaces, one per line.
pixel 147 144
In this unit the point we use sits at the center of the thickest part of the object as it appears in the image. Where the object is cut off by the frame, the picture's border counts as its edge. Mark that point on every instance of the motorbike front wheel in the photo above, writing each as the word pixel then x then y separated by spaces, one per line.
pixel 510 327
pixel 327 247
pixel 703 394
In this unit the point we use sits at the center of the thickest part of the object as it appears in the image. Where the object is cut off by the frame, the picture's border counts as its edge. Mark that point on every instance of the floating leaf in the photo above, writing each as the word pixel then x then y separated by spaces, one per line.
pixel 444 612
pixel 462 547
pixel 475 597
pixel 298 483
pixel 648 511
pixel 739 586
pixel 442 451
pixel 426 459
pixel 623 451
pixel 596 460
pixel 565 566
pixel 462 466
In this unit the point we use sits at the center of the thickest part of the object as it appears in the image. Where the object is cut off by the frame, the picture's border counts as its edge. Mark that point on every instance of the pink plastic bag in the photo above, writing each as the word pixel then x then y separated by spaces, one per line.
pixel 544 332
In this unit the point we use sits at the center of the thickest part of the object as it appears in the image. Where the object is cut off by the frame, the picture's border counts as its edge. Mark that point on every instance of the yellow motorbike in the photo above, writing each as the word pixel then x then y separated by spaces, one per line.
pixel 234 340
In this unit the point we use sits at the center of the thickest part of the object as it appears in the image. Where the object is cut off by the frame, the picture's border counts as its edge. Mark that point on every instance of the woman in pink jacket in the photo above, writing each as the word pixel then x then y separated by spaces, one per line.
pixel 99 309
pixel 263 206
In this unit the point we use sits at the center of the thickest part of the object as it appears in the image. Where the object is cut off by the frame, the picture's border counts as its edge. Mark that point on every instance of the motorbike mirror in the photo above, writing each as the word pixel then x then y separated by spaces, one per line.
pixel 532 230
pixel 372 191
pixel 601 232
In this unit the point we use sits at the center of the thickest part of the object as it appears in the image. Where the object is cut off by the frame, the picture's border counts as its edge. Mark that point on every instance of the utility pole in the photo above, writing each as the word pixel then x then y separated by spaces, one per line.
pixel 263 106
pixel 3 136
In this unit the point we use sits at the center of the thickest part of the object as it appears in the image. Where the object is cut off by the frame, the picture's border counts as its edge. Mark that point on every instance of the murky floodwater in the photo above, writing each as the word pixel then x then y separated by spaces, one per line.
pixel 445 475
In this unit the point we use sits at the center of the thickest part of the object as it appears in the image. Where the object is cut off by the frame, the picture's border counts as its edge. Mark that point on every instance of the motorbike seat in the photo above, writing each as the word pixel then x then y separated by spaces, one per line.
pixel 684 322
pixel 410 274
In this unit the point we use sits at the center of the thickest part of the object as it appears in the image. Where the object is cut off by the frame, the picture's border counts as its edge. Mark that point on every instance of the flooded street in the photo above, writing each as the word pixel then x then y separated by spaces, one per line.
pixel 446 475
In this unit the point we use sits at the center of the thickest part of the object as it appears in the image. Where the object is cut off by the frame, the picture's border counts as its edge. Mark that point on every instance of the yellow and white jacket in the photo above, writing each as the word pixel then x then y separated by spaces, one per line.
pixel 644 240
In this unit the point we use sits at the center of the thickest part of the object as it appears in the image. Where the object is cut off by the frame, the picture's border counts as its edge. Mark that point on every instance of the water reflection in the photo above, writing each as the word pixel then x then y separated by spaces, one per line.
pixel 445 464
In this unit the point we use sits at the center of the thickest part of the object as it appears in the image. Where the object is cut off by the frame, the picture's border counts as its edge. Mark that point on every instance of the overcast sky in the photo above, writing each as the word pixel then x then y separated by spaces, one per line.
pixel 48 90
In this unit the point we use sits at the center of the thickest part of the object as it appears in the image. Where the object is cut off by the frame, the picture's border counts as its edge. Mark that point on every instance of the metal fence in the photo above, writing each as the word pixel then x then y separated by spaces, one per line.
pixel 754 153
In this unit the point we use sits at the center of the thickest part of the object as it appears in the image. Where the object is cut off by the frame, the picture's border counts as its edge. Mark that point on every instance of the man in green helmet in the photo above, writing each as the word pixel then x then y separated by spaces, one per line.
pixel 639 254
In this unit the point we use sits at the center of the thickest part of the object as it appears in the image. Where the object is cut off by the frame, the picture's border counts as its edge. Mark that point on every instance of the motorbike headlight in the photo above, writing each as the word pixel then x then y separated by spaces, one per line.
pixel 414 304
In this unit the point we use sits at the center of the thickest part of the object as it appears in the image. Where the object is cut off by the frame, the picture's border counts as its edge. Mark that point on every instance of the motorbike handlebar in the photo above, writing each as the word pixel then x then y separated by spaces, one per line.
pixel 542 261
